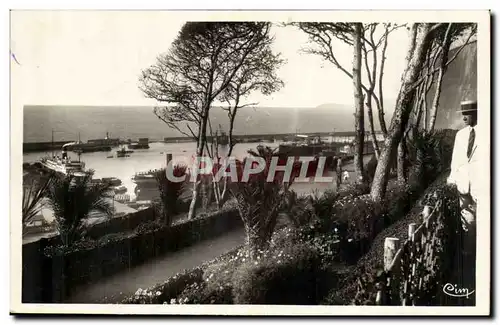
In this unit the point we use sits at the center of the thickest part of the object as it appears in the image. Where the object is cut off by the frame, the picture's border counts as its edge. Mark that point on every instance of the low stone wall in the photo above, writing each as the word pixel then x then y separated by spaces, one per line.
pixel 51 279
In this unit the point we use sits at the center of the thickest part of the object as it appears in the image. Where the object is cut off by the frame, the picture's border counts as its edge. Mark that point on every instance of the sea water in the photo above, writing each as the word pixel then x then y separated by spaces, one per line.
pixel 141 160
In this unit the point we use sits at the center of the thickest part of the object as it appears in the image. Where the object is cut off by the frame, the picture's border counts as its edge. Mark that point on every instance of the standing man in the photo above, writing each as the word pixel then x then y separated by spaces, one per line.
pixel 464 169
pixel 463 162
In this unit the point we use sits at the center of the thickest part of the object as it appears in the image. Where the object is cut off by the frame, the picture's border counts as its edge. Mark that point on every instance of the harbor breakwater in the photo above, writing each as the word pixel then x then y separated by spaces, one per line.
pixel 43 146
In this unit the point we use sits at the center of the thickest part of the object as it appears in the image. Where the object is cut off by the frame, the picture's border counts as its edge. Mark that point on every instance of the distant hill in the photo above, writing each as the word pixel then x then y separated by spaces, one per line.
pixel 134 122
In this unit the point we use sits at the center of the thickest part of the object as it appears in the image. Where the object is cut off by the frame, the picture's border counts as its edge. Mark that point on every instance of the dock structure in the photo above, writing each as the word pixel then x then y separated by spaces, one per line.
pixel 345 136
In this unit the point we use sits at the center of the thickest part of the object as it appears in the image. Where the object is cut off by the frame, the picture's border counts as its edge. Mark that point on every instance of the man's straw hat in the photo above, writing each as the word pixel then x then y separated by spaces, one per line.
pixel 468 106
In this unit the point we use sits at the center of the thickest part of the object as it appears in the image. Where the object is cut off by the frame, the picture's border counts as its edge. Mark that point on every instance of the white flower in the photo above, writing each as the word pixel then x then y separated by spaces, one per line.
pixel 138 292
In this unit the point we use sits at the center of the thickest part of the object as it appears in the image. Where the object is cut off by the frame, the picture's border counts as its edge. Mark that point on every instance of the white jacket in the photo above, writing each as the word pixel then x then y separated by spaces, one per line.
pixel 464 170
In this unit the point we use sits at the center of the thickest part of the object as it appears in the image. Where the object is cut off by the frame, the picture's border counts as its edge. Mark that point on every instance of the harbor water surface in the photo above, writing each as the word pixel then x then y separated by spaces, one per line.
pixel 141 160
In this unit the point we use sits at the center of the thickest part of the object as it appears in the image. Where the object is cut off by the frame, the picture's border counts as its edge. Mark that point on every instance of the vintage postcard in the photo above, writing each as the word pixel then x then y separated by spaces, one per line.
pixel 281 162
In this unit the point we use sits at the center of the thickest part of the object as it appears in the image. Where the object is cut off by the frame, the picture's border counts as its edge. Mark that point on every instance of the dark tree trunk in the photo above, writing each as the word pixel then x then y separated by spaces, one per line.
pixel 380 103
pixel 358 104
pixel 199 153
pixel 415 59
pixel 401 161
pixel 373 136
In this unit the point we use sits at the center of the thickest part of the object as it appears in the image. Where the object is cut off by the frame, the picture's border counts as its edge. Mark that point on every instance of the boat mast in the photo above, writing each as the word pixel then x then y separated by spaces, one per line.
pixel 52 143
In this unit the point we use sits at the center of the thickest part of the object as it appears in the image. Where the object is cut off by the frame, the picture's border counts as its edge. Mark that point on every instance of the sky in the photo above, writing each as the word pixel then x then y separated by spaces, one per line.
pixel 95 58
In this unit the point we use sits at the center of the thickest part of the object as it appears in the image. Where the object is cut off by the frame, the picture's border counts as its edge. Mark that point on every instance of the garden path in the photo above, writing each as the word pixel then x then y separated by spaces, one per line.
pixel 115 288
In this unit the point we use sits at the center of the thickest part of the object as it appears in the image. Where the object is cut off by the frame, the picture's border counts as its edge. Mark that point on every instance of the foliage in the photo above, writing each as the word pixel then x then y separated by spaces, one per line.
pixel 166 291
pixel 214 287
pixel 298 209
pixel 322 204
pixel 170 191
pixel 301 263
pixel 149 227
pixel 260 201
pixel 431 273
pixel 33 195
pixel 209 61
pixel 429 154
pixel 399 200
pixel 73 199
pixel 292 276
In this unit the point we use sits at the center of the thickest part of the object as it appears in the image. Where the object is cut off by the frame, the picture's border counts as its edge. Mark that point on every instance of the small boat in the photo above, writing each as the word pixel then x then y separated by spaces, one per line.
pixel 145 177
pixel 123 152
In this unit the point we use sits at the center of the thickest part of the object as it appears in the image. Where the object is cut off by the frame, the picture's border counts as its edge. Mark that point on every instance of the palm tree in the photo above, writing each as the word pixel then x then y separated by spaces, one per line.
pixel 33 195
pixel 73 199
pixel 260 202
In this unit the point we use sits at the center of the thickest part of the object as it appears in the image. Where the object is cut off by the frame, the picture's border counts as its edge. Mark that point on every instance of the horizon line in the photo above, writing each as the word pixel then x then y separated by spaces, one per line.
pixel 152 106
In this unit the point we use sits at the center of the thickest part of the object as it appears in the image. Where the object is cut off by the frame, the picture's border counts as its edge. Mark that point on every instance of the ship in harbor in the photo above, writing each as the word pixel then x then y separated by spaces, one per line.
pixel 64 165
pixel 92 145
pixel 142 143
pixel 221 137
pixel 123 153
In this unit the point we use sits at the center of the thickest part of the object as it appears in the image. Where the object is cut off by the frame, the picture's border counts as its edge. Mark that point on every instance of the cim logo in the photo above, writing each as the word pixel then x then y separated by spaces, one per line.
pixel 454 291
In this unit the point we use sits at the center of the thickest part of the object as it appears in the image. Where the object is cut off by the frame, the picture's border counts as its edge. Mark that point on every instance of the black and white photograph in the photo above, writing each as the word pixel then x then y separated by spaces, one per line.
pixel 250 163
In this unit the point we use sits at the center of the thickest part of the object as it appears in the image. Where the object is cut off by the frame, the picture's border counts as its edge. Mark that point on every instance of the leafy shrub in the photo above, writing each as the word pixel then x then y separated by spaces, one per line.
pixel 81 245
pixel 284 236
pixel 322 205
pixel 298 209
pixel 429 154
pixel 358 220
pixel 215 287
pixel 327 246
pixel 149 227
pixel 399 200
pixel 361 286
pixel 293 276
pixel 353 190
pixel 168 290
